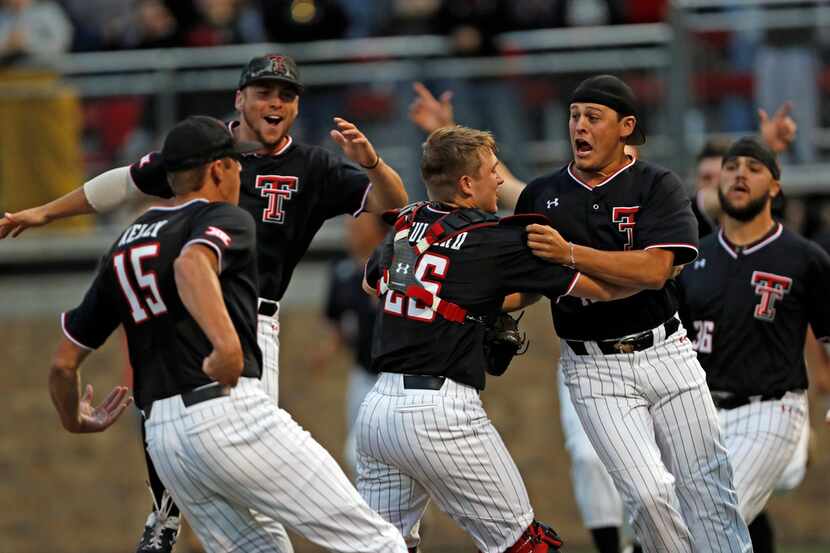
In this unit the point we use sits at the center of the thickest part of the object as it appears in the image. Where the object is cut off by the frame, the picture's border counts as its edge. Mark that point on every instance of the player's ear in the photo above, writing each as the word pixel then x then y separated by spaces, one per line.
pixel 238 100
pixel 774 188
pixel 465 185
pixel 627 125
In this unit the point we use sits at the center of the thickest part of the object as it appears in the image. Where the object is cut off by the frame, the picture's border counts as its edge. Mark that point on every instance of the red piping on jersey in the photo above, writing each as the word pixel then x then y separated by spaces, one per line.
pixel 72 338
pixel 571 286
pixel 677 245
pixel 764 242
pixel 362 207
pixel 607 180
pixel 207 243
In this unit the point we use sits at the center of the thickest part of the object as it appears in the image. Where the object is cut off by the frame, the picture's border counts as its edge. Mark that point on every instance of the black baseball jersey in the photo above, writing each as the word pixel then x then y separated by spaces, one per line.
pixel 474 270
pixel 641 206
pixel 135 286
pixel 351 310
pixel 747 309
pixel 290 195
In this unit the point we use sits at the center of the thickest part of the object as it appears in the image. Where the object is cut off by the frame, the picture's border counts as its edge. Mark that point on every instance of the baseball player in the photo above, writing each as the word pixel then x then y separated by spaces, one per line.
pixel 289 188
pixel 182 281
pixel 422 431
pixel 632 374
pixel 750 297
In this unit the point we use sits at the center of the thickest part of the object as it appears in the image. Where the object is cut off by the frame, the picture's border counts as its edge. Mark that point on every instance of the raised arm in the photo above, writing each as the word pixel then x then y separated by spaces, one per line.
pixel 100 194
pixel 196 271
pixel 387 191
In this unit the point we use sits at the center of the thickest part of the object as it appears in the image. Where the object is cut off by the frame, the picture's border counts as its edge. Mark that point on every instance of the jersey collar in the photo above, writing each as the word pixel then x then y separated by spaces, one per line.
pixel 606 181
pixel 768 238
pixel 175 207
pixel 233 124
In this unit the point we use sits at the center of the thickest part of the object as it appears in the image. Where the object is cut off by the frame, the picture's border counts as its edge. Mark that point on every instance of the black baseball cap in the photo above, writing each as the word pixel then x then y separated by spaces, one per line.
pixel 608 90
pixel 200 139
pixel 271 67
pixel 750 147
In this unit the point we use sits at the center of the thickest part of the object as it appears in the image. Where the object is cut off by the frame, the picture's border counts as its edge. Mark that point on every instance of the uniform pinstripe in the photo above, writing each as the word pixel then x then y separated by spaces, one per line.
pixel 797 467
pixel 651 420
pixel 223 457
pixel 762 438
pixel 414 445
pixel 598 500
pixel 268 339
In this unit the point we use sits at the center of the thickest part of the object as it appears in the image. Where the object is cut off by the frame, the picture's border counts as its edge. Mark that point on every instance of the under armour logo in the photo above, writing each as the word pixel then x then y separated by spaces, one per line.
pixel 220 234
pixel 402 268
pixel 554 202
pixel 700 263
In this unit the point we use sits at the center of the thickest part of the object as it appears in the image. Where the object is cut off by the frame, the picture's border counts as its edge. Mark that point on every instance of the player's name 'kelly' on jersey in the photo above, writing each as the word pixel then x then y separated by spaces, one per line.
pixel 747 310
pixel 474 270
pixel 135 286
pixel 290 194
pixel 639 207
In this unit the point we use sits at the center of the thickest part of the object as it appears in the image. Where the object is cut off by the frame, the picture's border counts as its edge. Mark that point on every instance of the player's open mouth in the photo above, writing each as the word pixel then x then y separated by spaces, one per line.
pixel 739 187
pixel 582 147
pixel 273 119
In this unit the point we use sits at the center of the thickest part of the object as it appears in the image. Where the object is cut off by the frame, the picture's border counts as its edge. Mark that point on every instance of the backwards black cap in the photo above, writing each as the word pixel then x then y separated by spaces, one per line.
pixel 200 139
pixel 271 67
pixel 751 147
pixel 608 90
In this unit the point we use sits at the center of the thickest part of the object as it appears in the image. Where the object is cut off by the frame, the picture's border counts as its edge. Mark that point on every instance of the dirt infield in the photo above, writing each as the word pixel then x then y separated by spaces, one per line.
pixel 66 493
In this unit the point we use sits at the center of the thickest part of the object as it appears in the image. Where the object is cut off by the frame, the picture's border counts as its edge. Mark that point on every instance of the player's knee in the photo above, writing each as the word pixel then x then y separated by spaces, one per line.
pixel 537 538
pixel 650 498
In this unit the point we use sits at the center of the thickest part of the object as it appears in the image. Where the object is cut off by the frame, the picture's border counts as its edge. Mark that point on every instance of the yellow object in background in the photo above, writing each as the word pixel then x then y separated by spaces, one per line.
pixel 40 141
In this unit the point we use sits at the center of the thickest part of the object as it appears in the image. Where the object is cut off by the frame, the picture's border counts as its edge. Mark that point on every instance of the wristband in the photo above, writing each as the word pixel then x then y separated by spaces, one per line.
pixel 375 164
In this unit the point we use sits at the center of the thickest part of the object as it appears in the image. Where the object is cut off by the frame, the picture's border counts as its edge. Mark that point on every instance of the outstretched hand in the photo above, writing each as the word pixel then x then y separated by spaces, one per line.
pixel 12 224
pixel 428 112
pixel 354 143
pixel 98 419
pixel 778 131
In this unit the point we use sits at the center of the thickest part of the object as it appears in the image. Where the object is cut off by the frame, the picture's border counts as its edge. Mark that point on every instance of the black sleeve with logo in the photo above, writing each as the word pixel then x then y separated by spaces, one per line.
pixel 149 176
pixel 228 231
pixel 667 221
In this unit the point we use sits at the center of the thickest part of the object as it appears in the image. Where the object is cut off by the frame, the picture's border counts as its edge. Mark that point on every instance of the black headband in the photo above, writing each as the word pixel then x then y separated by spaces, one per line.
pixel 750 147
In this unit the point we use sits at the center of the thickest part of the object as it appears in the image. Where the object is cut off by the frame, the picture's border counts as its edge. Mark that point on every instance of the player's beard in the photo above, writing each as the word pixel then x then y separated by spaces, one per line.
pixel 270 145
pixel 745 213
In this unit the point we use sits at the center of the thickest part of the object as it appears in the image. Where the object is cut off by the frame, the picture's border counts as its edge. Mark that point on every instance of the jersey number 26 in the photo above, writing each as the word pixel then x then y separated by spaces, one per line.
pixel 399 305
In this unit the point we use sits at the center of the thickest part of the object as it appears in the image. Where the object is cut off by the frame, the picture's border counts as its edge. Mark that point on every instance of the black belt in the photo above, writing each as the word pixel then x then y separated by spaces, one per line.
pixel 268 308
pixel 194 397
pixel 728 400
pixel 641 341
pixel 422 382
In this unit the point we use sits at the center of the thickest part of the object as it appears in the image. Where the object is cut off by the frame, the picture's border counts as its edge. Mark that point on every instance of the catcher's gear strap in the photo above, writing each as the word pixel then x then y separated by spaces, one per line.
pixel 401 278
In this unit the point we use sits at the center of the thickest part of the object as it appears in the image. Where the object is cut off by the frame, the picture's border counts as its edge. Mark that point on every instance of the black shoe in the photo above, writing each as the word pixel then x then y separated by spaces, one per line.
pixel 161 530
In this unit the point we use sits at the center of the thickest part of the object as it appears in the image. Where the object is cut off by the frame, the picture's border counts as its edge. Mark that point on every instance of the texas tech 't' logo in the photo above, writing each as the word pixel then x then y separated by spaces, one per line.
pixel 276 188
pixel 771 288
pixel 625 217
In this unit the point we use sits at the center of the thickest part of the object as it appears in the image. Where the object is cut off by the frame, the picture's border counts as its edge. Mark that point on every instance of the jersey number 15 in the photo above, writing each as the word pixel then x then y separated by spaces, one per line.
pixel 146 280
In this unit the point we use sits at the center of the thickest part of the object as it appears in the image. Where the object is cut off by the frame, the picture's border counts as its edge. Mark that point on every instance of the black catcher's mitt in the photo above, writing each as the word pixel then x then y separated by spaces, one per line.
pixel 502 342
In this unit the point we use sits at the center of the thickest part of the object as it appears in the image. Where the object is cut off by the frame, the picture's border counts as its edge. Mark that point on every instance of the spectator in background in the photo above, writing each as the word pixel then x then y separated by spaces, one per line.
pixel 150 24
pixel 350 317
pixel 93 20
pixel 32 30
pixel 303 20
pixel 220 22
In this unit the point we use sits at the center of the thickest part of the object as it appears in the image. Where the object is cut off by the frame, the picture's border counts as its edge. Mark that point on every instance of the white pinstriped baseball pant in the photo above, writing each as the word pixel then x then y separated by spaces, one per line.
pixel 762 438
pixel 223 458
pixel 651 420
pixel 417 445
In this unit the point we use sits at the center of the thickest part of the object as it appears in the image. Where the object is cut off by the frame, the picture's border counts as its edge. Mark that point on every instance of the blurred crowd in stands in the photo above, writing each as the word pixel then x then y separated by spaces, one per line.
pixel 86 25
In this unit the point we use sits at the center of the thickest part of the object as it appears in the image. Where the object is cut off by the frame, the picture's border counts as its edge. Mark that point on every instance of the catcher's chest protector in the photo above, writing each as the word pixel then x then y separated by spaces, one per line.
pixel 399 274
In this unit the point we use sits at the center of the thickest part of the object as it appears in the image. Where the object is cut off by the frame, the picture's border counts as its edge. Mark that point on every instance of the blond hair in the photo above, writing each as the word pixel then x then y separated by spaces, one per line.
pixel 450 153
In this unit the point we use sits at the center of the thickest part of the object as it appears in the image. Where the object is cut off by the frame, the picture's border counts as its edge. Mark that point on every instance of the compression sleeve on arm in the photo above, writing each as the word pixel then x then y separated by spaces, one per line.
pixel 111 189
